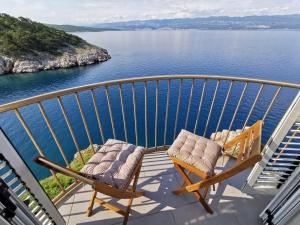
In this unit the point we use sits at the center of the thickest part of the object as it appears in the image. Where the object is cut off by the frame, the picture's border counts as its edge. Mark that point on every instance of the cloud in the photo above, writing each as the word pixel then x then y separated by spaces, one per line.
pixel 96 11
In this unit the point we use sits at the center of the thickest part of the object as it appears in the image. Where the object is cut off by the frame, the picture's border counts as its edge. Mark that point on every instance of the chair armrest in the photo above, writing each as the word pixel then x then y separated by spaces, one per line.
pixel 63 170
pixel 226 174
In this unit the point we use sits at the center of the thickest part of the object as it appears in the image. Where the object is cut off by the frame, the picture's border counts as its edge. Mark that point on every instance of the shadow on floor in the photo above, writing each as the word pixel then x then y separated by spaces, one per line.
pixel 160 207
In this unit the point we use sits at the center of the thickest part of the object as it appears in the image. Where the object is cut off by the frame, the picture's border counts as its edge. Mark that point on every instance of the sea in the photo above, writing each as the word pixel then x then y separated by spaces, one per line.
pixel 261 54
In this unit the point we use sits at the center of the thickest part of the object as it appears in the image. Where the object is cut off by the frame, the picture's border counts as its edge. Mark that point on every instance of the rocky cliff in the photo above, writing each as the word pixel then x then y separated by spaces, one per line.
pixel 28 46
pixel 70 57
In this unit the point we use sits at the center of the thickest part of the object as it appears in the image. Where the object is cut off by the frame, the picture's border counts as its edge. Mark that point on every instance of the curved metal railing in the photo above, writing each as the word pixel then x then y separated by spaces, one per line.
pixel 160 105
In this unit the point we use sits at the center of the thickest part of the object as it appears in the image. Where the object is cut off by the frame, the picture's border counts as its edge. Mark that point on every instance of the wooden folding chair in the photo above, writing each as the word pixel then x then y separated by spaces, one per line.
pixel 249 147
pixel 125 193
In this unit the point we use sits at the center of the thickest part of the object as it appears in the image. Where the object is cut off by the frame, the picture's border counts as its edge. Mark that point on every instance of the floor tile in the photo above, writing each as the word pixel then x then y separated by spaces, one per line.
pixel 160 207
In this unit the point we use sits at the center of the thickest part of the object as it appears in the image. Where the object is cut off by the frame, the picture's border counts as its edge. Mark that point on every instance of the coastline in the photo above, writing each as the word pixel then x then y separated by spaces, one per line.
pixel 69 57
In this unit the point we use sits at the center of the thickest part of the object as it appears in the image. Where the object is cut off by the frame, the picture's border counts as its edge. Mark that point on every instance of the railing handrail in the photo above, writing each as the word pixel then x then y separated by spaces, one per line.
pixel 35 99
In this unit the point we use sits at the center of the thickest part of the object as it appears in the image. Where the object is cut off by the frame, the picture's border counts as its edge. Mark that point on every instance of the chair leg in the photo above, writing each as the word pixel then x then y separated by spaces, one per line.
pixel 205 192
pixel 127 211
pixel 188 181
pixel 91 204
pixel 184 183
pixel 114 207
pixel 136 176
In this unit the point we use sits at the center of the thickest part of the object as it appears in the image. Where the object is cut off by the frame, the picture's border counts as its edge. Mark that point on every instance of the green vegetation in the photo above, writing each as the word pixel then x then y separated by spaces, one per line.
pixel 21 36
pixel 50 185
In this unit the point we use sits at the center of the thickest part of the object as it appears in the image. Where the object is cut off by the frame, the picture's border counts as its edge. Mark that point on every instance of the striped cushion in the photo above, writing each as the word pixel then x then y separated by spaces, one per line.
pixel 114 163
pixel 195 150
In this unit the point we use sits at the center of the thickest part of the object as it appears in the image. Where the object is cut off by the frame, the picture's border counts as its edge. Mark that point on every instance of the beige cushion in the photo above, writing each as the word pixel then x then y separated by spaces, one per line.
pixel 195 150
pixel 114 163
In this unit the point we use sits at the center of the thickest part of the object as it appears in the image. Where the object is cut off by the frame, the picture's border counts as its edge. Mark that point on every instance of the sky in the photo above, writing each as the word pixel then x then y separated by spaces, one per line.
pixel 84 12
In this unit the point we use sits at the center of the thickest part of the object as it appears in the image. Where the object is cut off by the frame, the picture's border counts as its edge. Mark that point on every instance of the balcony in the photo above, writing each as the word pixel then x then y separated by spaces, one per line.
pixel 150 111
pixel 160 206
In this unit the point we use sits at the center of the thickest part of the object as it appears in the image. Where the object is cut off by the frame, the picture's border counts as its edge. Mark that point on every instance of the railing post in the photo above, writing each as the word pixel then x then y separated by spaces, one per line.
pixel 134 114
pixel 110 112
pixel 84 121
pixel 123 112
pixel 10 153
pixel 36 145
pixel 146 113
pixel 156 113
pixel 189 104
pixel 70 127
pixel 223 108
pixel 167 113
pixel 200 106
pixel 98 117
pixel 178 107
pixel 236 110
pixel 211 108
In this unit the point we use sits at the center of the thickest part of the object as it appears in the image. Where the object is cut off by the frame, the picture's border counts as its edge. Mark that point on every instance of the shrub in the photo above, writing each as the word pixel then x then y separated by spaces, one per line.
pixel 50 185
pixel 21 36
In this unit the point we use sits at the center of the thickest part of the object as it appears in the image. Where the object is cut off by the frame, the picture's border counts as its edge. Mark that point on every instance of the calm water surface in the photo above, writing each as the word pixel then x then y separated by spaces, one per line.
pixel 260 54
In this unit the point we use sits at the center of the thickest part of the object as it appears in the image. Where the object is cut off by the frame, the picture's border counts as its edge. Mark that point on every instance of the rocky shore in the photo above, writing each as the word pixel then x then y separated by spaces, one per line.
pixel 68 57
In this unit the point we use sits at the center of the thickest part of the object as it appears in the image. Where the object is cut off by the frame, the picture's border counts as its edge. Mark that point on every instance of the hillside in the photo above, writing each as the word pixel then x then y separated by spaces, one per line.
pixel 72 28
pixel 27 46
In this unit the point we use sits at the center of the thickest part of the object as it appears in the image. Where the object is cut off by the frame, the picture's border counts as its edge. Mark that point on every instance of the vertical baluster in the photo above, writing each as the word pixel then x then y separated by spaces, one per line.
pixel 223 109
pixel 253 105
pixel 53 133
pixel 250 113
pixel 146 114
pixel 178 107
pixel 156 112
pixel 211 108
pixel 84 121
pixel 200 106
pixel 167 113
pixel 134 111
pixel 123 112
pixel 189 104
pixel 36 145
pixel 272 102
pixel 236 110
pixel 70 128
pixel 28 131
pixel 110 112
pixel 98 117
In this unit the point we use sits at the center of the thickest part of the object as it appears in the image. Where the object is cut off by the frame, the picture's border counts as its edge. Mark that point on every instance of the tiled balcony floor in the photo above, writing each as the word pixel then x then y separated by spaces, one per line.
pixel 160 207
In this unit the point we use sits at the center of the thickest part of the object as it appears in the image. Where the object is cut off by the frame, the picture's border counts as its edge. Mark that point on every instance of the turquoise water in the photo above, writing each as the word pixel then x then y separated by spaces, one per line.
pixel 260 54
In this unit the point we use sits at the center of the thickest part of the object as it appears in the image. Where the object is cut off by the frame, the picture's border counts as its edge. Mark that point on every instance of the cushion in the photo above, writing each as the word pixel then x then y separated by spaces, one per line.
pixel 114 163
pixel 195 150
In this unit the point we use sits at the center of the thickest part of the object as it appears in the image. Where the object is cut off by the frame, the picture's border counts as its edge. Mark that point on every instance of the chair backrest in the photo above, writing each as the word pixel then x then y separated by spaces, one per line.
pixel 63 170
pixel 248 142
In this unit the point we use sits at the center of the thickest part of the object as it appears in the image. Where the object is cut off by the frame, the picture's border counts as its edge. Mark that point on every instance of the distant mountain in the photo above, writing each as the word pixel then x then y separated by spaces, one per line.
pixel 210 23
pixel 72 28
